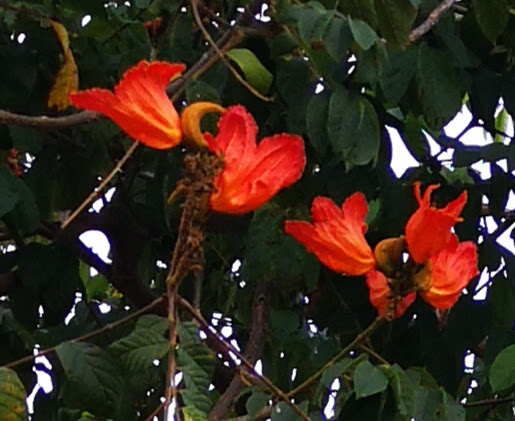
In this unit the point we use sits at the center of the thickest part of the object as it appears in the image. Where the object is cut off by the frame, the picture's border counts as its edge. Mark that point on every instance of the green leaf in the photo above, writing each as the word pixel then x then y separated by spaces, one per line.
pixel 484 96
pixel 457 175
pixel 403 388
pixel 492 16
pixel 138 350
pixel 25 215
pixel 414 138
pixel 438 87
pixel 415 3
pixel 284 322
pixel 502 371
pixel 313 24
pixel 336 370
pixel 398 70
pixel 395 19
pixel 196 91
pixel 283 412
pixel 12 396
pixel 26 139
pixel 255 73
pixel 92 377
pixel 361 9
pixel 368 380
pixel 153 322
pixel 193 414
pixel 338 38
pixel 197 363
pixel 256 402
pixel 316 122
pixel 353 128
pixel 9 192
pixel 364 35
pixel 50 273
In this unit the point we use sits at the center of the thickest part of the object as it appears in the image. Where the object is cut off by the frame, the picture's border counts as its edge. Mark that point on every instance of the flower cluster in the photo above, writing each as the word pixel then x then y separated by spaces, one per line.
pixel 252 173
pixel 438 267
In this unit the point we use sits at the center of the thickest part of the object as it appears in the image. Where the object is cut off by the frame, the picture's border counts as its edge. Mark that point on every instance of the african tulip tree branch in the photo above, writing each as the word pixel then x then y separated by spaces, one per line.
pixel 229 40
pixel 248 366
pixel 431 20
pixel 252 352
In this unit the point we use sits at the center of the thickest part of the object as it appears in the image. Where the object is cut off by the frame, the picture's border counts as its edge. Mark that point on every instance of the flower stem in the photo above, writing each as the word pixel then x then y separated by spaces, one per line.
pixel 360 338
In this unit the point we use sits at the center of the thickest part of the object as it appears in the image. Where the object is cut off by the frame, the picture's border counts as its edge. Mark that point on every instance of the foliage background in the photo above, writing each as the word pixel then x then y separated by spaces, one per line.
pixel 409 65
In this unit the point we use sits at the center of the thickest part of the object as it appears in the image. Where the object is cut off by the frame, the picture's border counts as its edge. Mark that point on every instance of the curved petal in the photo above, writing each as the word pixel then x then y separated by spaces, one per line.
pixel 336 237
pixel 428 231
pixel 252 174
pixel 139 105
pixel 452 269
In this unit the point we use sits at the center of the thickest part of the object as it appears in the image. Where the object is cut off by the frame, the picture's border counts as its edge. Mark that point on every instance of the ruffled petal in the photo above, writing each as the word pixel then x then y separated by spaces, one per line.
pixel 336 237
pixel 452 269
pixel 252 174
pixel 428 231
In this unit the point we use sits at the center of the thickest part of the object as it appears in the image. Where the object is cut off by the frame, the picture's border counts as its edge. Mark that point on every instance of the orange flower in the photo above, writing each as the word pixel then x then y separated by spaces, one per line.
pixel 381 296
pixel 451 271
pixel 252 173
pixel 337 235
pixel 139 104
pixel 428 231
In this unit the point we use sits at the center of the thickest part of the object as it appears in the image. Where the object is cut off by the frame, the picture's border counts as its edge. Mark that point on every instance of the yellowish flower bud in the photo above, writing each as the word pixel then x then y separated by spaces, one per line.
pixel 190 121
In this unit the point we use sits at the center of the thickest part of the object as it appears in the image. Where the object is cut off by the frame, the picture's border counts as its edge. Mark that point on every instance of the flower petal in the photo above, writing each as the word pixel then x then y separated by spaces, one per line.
pixel 452 269
pixel 380 294
pixel 336 236
pixel 252 174
pixel 428 231
pixel 139 105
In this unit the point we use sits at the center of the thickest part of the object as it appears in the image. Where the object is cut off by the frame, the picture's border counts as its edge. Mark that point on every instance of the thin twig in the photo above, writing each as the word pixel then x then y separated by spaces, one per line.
pixel 221 55
pixel 229 347
pixel 155 412
pixel 94 194
pixel 489 402
pixel 360 338
pixel 431 20
pixel 89 335
pixel 374 354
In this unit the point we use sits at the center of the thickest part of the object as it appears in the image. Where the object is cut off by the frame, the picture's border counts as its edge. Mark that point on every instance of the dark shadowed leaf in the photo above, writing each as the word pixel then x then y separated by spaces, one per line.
pixel 502 371
pixel 92 377
pixel 492 16
pixel 395 20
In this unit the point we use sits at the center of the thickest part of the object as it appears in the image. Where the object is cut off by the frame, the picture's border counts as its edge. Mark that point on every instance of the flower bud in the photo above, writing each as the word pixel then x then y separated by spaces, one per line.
pixel 190 121
pixel 388 254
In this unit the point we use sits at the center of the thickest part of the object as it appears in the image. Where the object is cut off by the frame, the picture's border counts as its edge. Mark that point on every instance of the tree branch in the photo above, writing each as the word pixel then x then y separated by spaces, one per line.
pixel 252 352
pixel 431 20
pixel 244 363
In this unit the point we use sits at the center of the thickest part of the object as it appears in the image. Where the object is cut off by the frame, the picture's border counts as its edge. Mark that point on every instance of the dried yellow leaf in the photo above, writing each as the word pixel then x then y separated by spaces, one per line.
pixel 67 79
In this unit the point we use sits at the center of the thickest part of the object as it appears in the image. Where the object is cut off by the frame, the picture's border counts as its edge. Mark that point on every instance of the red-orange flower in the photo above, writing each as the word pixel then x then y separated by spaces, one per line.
pixel 139 104
pixel 451 271
pixel 252 173
pixel 380 295
pixel 428 231
pixel 337 235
